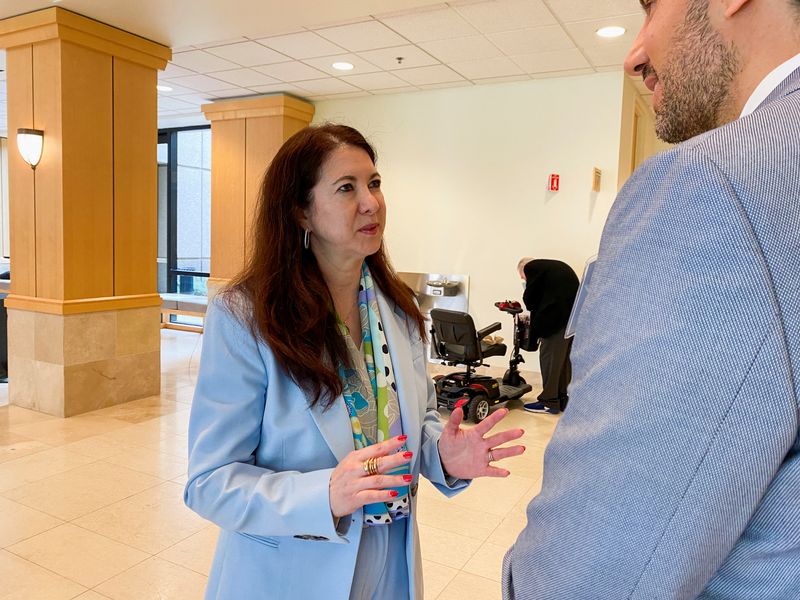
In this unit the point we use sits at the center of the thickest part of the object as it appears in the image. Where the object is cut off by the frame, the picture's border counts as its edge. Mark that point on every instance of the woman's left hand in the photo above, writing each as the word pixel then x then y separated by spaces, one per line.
pixel 466 454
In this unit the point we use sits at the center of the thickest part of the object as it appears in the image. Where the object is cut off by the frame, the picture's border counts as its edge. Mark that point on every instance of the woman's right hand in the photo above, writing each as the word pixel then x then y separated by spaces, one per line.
pixel 351 487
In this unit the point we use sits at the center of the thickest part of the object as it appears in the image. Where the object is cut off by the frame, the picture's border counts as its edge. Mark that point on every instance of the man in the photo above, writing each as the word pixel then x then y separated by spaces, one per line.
pixel 550 289
pixel 675 473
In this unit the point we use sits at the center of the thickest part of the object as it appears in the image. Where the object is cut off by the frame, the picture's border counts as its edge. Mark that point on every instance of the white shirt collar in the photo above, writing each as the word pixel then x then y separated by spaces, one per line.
pixel 769 83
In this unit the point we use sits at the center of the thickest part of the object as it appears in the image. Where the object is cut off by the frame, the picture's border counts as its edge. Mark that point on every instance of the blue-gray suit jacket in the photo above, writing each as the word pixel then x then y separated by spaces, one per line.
pixel 675 471
pixel 260 461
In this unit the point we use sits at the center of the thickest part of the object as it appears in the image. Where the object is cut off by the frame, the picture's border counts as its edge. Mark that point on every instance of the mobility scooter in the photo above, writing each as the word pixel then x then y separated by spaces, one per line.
pixel 456 341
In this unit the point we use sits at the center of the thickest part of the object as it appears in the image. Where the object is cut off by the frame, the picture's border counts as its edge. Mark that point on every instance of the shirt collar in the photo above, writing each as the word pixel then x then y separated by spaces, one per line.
pixel 769 83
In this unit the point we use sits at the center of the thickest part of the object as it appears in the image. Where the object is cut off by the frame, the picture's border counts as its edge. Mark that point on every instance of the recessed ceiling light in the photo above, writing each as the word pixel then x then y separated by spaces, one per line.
pixel 611 32
pixel 342 66
pixel 163 88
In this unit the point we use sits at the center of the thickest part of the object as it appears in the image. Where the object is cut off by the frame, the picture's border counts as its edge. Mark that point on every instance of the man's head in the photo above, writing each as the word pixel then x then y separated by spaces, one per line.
pixel 687 64
pixel 521 266
pixel 703 58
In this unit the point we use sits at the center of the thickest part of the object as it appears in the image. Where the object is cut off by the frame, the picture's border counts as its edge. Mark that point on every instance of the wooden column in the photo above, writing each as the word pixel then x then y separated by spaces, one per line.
pixel 245 136
pixel 83 310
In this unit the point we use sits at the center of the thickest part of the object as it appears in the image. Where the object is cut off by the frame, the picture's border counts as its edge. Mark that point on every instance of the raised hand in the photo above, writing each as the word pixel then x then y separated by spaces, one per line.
pixel 352 486
pixel 467 454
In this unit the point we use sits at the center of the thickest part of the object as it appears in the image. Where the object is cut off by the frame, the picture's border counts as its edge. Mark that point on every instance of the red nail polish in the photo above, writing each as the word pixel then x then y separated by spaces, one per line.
pixel 408 454
pixel 460 403
pixel 393 494
pixel 408 478
pixel 402 438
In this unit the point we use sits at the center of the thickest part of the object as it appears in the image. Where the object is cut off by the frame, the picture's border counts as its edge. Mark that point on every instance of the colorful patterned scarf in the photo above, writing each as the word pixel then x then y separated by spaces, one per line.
pixel 375 399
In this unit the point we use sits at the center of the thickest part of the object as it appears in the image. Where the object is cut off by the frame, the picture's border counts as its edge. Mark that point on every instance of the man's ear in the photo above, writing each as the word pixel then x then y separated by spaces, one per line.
pixel 734 6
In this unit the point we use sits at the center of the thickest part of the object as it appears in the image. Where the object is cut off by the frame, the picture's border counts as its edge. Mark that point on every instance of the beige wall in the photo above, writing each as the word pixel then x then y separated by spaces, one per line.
pixel 465 169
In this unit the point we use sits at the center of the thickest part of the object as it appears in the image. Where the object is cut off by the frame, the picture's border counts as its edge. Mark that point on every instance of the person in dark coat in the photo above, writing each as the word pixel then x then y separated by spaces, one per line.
pixel 550 290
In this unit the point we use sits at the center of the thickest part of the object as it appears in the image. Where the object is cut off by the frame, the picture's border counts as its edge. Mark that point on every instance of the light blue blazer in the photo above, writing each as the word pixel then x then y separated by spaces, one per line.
pixel 260 460
pixel 675 471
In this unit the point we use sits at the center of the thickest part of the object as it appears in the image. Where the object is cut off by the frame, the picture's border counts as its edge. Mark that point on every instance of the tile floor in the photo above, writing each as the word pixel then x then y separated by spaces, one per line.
pixel 91 506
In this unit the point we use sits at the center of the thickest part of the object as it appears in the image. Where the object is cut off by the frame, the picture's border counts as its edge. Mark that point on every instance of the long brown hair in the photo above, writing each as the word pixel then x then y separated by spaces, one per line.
pixel 288 302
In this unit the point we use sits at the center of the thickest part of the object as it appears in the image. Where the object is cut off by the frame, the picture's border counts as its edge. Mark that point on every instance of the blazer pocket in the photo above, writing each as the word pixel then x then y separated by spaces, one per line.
pixel 264 541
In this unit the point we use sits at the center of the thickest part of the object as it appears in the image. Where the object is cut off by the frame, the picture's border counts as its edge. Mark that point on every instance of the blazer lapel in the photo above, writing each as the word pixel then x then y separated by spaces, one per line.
pixel 334 426
pixel 402 362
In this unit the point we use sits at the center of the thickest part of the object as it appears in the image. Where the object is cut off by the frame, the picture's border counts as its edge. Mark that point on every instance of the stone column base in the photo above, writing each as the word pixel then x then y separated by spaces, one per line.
pixel 65 365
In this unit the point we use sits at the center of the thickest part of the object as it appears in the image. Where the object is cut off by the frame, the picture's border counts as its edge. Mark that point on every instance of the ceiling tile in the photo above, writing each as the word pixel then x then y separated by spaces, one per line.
pixel 176 90
pixel 330 85
pixel 231 93
pixel 305 44
pixel 530 41
pixel 609 55
pixel 291 71
pixel 201 61
pixel 474 47
pixel 492 67
pixel 220 43
pixel 558 60
pixel 244 77
pixel 386 58
pixel 505 15
pixel 509 79
pixel 427 25
pixel 428 75
pixel 585 32
pixel 568 11
pixel 201 83
pixel 357 37
pixel 401 90
pixel 174 70
pixel 174 104
pixel 248 54
pixel 278 88
pixel 450 84
pixel 344 96
pixel 556 74
pixel 324 64
pixel 196 99
pixel 375 81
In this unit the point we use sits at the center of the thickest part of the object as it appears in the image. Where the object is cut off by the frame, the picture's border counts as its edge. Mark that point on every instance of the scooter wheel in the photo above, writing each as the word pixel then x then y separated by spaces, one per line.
pixel 478 408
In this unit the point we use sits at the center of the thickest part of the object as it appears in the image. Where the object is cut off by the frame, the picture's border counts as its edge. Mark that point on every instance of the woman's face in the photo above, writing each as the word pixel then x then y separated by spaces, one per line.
pixel 347 213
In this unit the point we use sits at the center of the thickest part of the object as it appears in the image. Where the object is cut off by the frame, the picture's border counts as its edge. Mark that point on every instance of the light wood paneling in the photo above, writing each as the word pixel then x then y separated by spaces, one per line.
pixel 88 175
pixel 73 307
pixel 227 198
pixel 21 196
pixel 135 179
pixel 264 139
pixel 49 184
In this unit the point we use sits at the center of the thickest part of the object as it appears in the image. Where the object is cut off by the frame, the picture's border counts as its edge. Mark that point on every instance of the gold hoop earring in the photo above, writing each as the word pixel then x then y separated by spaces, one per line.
pixel 306 235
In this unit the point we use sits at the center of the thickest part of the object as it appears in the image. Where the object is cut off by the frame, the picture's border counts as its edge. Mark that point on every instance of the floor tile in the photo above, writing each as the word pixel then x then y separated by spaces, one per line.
pixel 445 515
pixel 19 522
pixel 63 431
pixel 155 579
pixel 13 446
pixel 435 578
pixel 144 460
pixel 445 547
pixel 78 554
pixel 507 532
pixel 83 490
pixel 496 495
pixel 487 561
pixel 98 447
pixel 13 416
pixel 195 552
pixel 466 586
pixel 23 580
pixel 91 595
pixel 151 521
pixel 34 467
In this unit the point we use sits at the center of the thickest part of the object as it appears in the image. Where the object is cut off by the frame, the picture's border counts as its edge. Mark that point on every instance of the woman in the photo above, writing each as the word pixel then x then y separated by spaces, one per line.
pixel 313 415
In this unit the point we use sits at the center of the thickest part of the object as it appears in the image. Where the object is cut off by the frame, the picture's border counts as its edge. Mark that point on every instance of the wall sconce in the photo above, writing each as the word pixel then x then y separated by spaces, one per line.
pixel 29 142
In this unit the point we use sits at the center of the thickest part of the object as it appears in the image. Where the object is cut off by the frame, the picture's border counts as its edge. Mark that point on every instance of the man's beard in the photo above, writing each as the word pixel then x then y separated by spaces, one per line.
pixel 696 80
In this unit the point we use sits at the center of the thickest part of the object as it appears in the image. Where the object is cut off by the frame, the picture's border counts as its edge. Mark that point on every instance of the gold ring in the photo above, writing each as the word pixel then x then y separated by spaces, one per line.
pixel 491 456
pixel 371 466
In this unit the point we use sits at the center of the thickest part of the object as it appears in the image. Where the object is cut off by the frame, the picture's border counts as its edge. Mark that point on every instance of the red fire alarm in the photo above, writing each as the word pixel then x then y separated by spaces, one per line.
pixel 552 183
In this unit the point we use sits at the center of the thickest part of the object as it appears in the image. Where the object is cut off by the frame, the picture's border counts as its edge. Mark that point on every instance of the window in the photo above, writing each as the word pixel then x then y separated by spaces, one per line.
pixel 184 210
